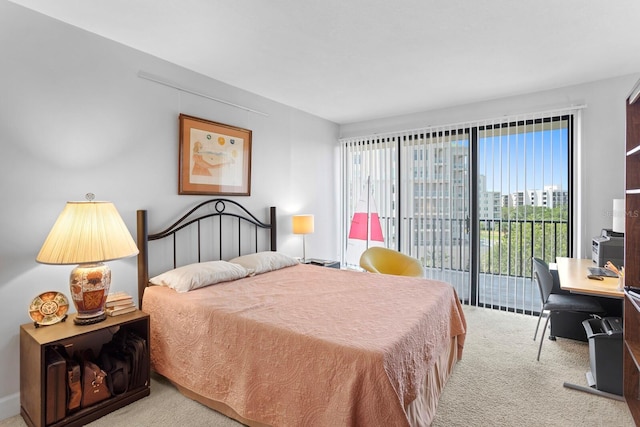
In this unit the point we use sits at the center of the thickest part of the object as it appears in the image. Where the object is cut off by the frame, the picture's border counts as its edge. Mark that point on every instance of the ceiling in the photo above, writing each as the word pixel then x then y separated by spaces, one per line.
pixel 355 60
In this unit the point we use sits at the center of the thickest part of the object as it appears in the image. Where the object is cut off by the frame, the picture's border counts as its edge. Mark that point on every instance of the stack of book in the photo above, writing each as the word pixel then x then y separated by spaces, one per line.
pixel 119 303
pixel 633 292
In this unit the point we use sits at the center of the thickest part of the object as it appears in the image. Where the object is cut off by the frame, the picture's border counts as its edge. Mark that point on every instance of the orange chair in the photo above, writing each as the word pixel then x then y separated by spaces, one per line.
pixel 388 261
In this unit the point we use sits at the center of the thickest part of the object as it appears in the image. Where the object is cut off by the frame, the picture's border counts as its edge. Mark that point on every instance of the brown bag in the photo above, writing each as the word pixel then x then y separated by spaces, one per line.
pixel 94 384
pixel 56 388
pixel 74 384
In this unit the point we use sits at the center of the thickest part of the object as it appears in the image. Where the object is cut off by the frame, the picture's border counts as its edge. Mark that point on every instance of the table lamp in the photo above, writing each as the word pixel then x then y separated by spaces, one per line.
pixel 303 224
pixel 88 233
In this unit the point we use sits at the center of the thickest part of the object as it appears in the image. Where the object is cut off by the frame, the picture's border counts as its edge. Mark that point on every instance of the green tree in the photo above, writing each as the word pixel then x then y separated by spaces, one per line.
pixel 527 231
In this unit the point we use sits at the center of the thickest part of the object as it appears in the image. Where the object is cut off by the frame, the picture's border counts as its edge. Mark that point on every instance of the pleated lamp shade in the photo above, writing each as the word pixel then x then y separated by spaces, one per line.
pixel 87 232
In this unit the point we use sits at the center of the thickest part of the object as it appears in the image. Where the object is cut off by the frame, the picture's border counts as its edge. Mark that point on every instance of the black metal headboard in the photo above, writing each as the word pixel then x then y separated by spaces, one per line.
pixel 223 214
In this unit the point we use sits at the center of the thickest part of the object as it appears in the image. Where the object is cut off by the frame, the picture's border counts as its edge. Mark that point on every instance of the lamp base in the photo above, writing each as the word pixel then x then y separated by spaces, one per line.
pixel 89 320
pixel 304 250
pixel 89 285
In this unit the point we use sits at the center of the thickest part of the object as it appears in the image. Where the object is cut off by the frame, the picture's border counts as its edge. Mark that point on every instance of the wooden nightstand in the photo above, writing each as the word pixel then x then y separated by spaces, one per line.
pixel 323 262
pixel 33 343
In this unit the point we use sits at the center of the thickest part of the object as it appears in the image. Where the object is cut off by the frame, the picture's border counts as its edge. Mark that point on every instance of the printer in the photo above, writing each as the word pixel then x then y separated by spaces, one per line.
pixel 608 246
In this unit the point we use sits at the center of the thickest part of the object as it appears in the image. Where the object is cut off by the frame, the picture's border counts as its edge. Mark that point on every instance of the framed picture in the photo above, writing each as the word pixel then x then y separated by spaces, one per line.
pixel 214 158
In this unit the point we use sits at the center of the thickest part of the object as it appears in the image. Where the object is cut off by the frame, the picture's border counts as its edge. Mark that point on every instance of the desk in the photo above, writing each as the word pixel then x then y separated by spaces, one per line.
pixel 573 272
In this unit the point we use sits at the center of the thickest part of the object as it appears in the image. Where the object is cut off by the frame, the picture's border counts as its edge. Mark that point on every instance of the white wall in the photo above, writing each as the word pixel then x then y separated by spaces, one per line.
pixel 75 118
pixel 600 158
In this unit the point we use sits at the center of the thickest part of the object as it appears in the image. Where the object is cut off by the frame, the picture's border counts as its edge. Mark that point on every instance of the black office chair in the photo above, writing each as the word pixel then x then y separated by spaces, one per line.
pixel 558 302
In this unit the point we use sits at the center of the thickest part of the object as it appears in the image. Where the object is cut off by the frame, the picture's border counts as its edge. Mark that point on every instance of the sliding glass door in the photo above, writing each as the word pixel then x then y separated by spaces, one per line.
pixel 436 204
pixel 473 202
pixel 421 187
pixel 524 167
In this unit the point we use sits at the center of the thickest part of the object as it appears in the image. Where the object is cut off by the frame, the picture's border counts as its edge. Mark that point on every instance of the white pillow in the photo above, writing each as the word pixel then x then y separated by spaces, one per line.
pixel 194 276
pixel 262 262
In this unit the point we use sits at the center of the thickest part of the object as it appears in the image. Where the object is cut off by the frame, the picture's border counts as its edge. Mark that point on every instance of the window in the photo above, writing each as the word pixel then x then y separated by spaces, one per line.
pixel 473 202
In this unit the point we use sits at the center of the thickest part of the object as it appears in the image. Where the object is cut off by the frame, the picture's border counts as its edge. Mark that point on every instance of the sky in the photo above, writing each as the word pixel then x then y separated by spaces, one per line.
pixel 525 161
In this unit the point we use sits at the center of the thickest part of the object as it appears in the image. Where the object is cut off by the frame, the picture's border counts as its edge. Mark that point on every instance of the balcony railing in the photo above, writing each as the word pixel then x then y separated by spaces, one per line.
pixel 505 251
pixel 506 246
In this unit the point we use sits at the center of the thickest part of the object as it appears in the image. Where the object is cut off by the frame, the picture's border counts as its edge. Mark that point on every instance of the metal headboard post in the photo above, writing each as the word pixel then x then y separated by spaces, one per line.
pixel 273 222
pixel 143 254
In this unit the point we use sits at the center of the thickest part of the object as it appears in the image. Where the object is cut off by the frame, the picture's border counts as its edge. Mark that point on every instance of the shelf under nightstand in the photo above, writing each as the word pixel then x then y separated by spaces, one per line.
pixel 33 344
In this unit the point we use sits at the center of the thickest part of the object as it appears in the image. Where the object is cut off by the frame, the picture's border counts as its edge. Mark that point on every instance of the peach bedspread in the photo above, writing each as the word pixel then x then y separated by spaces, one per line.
pixel 306 345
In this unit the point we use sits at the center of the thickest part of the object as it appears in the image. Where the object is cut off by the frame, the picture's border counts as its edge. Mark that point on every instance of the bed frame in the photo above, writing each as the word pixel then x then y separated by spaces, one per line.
pixel 234 224
pixel 224 214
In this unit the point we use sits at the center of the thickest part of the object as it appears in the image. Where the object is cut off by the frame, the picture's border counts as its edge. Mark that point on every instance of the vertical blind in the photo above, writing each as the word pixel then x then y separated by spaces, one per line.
pixel 473 201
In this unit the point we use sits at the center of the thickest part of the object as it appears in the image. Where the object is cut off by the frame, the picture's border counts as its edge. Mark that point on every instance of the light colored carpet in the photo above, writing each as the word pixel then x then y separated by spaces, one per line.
pixel 498 382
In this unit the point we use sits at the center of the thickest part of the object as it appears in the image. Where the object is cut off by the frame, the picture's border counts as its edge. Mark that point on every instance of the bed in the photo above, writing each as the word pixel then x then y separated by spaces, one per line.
pixel 290 344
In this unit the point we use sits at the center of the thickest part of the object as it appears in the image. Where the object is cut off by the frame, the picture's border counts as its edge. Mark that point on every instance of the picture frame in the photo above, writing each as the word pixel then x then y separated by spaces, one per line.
pixel 214 158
